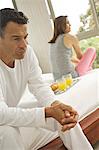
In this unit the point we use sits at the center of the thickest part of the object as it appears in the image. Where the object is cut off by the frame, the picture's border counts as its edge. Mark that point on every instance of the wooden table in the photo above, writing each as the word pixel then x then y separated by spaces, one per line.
pixel 90 126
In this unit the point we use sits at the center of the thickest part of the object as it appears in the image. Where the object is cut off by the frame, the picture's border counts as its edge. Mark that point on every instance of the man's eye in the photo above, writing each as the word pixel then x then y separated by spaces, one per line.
pixel 17 39
pixel 25 37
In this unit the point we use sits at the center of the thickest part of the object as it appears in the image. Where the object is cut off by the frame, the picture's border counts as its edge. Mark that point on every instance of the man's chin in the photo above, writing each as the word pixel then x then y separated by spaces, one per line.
pixel 20 57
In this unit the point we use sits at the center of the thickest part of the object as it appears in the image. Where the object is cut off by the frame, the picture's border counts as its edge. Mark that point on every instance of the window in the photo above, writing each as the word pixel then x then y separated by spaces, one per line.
pixel 83 15
pixel 84 18
pixel 6 4
pixel 96 7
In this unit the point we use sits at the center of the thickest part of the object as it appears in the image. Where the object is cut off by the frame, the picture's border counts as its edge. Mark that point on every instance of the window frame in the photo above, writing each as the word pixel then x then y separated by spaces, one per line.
pixel 14 4
pixel 85 34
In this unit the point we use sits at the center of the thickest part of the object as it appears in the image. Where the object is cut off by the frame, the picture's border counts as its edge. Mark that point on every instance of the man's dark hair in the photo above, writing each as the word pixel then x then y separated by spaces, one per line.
pixel 9 14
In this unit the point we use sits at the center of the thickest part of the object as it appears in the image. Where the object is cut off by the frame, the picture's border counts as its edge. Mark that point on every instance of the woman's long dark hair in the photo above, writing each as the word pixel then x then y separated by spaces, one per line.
pixel 59 27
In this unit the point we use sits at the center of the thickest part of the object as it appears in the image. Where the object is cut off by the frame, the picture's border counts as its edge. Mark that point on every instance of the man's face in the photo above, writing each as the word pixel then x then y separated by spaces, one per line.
pixel 13 44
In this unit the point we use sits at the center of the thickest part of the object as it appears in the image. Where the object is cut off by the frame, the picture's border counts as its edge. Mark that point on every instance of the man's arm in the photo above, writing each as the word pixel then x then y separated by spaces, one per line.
pixel 46 97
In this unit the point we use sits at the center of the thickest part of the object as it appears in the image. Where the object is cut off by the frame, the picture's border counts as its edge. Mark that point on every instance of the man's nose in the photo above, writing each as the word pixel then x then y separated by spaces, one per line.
pixel 23 43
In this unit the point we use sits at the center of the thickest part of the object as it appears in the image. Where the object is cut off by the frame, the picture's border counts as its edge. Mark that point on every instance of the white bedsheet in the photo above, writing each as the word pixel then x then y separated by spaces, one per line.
pixel 83 96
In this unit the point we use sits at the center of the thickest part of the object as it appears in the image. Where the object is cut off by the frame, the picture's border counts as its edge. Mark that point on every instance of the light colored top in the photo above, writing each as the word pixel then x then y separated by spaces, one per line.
pixel 13 82
pixel 60 59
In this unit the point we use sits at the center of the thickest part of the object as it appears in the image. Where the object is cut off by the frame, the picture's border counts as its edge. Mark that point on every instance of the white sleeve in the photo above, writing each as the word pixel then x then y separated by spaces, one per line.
pixel 14 116
pixel 20 117
pixel 41 90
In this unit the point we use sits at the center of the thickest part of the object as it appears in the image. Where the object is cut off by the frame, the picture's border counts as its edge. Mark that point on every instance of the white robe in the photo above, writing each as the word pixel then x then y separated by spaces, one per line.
pixel 13 82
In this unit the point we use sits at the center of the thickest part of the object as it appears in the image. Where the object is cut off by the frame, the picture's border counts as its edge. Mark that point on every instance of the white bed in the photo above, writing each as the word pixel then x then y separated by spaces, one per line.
pixel 83 96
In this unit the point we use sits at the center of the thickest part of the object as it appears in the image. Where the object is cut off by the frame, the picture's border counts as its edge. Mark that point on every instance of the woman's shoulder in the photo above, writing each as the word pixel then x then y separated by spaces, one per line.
pixel 70 37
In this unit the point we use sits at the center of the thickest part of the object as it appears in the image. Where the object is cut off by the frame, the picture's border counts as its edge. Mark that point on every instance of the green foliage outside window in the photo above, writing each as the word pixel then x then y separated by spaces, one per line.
pixel 91 42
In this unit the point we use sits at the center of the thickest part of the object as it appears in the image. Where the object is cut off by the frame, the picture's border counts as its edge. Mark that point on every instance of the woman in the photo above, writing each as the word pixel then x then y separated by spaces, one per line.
pixel 61 54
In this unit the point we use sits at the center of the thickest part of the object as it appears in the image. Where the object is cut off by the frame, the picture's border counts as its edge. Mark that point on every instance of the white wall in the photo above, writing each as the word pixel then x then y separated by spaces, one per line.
pixel 39 29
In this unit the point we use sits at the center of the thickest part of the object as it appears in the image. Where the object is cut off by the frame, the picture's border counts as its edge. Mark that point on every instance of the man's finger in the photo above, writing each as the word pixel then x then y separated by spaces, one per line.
pixel 69 120
pixel 68 108
pixel 68 126
pixel 67 114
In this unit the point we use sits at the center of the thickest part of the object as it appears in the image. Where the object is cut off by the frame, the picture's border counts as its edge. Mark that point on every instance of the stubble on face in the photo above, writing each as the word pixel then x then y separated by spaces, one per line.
pixel 13 44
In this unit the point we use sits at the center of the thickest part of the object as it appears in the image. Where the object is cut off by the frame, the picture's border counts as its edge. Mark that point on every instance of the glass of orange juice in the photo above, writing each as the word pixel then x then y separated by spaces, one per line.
pixel 61 84
pixel 68 79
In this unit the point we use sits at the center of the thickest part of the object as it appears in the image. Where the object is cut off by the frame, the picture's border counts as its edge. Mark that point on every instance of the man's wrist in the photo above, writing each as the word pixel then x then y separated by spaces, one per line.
pixel 48 111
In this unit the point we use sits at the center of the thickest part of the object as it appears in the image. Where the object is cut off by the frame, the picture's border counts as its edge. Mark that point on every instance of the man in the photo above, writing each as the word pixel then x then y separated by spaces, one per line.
pixel 19 67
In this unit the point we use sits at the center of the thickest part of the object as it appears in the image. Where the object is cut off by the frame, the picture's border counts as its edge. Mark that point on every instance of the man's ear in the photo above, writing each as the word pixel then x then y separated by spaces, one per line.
pixel 0 39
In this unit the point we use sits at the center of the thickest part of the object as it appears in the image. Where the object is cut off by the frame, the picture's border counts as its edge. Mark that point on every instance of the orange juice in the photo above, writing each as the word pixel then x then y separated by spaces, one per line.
pixel 69 81
pixel 62 86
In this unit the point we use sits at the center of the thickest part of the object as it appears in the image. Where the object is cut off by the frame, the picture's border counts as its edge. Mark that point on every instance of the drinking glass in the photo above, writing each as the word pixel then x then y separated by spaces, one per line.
pixel 68 79
pixel 61 84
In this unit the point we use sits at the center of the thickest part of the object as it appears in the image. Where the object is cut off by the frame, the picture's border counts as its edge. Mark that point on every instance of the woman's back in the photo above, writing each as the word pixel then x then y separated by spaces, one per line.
pixel 60 59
